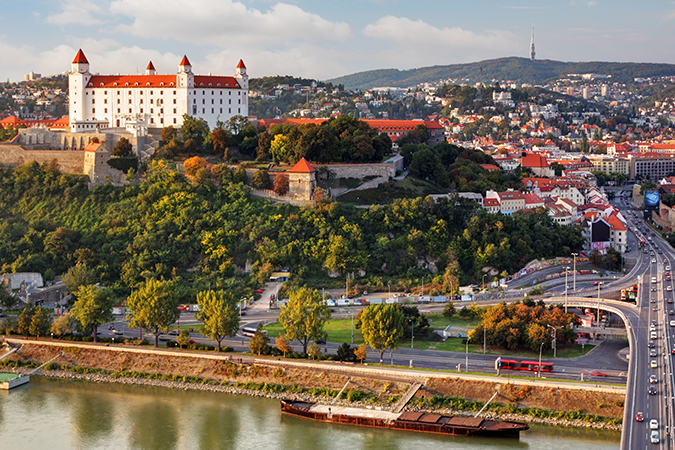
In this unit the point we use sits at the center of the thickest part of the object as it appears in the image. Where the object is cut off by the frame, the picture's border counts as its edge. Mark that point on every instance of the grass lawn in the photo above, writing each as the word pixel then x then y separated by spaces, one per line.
pixel 437 321
pixel 339 330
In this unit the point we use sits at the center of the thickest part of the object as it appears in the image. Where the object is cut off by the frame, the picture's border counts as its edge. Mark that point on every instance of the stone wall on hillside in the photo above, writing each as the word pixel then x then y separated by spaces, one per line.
pixel 361 170
pixel 70 161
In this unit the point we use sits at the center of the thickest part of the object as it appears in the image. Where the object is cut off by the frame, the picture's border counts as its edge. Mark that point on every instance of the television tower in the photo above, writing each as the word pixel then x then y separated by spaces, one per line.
pixel 532 52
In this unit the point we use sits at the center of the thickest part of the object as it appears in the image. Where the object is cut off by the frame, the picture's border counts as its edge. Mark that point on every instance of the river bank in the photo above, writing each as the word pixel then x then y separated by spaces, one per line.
pixel 207 372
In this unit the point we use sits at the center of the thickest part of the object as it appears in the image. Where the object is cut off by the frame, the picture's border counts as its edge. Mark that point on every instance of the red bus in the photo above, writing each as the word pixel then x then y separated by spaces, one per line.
pixel 642 241
pixel 512 364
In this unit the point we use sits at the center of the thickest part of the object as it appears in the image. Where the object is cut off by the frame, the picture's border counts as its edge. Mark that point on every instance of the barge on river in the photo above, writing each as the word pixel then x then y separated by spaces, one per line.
pixel 407 420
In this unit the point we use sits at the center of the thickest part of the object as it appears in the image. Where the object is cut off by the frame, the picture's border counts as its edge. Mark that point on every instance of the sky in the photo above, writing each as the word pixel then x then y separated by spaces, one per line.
pixel 323 39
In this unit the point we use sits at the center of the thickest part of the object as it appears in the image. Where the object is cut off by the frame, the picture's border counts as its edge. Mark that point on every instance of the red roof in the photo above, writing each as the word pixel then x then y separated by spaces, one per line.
pixel 302 167
pixel 241 64
pixel 150 66
pixel 490 202
pixel 63 122
pixel 92 147
pixel 12 120
pixel 184 62
pixel 109 81
pixel 534 160
pixel 80 58
pixel 489 167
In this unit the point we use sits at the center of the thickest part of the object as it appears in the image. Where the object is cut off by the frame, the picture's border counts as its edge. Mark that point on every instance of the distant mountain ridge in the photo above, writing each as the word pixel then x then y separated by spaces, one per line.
pixel 514 69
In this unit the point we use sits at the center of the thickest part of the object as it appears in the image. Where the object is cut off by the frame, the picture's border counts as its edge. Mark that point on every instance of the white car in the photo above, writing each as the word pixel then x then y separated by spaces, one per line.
pixel 653 424
pixel 653 380
pixel 654 438
pixel 653 364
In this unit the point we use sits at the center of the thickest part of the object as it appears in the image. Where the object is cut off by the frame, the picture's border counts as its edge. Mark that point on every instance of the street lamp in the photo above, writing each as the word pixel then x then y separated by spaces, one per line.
pixel 412 333
pixel 567 269
pixel 574 272
pixel 539 368
pixel 553 341
pixel 484 280
pixel 351 314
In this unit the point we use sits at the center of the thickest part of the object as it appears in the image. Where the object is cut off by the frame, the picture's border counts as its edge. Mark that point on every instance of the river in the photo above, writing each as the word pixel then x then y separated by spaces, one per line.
pixel 55 414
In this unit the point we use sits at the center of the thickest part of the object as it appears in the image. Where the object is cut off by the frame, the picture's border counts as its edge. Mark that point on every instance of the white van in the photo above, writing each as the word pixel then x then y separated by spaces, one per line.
pixel 672 323
pixel 653 280
pixel 652 335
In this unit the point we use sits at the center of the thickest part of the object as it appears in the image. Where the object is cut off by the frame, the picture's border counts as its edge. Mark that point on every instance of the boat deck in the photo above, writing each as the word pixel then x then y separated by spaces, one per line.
pixel 355 412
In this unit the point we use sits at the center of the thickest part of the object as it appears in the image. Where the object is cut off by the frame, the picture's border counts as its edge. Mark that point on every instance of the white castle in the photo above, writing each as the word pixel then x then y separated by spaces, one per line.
pixel 138 102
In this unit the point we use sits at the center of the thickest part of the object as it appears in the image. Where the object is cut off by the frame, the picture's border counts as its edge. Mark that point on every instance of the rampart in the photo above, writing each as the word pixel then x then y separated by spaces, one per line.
pixel 71 161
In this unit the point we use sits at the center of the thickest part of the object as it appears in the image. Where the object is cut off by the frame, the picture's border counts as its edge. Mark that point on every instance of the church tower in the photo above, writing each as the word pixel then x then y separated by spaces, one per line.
pixel 532 52
pixel 186 78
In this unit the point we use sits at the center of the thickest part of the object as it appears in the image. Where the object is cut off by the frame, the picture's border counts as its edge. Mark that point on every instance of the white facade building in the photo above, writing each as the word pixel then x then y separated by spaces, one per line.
pixel 156 101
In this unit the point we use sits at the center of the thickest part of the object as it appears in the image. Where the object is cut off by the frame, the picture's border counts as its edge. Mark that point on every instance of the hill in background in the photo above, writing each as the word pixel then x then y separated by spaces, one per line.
pixel 516 70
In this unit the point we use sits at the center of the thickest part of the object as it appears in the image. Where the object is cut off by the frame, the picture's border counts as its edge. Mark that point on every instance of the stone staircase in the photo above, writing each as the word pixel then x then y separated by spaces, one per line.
pixel 406 397
pixel 151 142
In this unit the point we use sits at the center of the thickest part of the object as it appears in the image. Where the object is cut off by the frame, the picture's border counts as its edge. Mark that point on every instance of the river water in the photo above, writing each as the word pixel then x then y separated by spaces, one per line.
pixel 54 414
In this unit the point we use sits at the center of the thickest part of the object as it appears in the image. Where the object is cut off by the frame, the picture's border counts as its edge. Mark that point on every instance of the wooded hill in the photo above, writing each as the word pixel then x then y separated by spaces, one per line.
pixel 517 70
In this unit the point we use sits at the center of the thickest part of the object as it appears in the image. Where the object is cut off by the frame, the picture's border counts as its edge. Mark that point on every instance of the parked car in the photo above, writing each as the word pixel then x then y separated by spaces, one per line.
pixel 640 417
pixel 654 438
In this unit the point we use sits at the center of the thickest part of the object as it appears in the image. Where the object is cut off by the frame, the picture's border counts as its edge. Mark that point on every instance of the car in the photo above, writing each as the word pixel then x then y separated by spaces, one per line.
pixel 652 335
pixel 653 379
pixel 665 260
pixel 597 373
pixel 595 283
pixel 652 390
pixel 654 437
pixel 653 322
pixel 118 332
pixel 672 323
pixel 259 291
pixel 670 313
pixel 669 288
pixel 651 344
pixel 652 300
pixel 668 278
pixel 672 352
pixel 652 352
pixel 655 308
pixel 653 424
pixel 640 417
pixel 653 364
pixel 653 260
pixel 653 289
pixel 667 267
pixel 670 300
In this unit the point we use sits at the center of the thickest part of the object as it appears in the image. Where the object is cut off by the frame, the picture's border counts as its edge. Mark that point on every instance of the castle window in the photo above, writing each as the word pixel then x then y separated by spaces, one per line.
pixel 211 92
pixel 151 110
pixel 101 84
pixel 203 111
pixel 201 84
pixel 221 110
pixel 194 101
pixel 147 84
pixel 105 100
pixel 174 92
pixel 230 101
pixel 136 83
pixel 141 110
pixel 161 120
pixel 105 110
pixel 203 101
pixel 174 120
pixel 105 92
pixel 161 84
pixel 218 84
pixel 174 110
pixel 171 84
pixel 211 110
pixel 239 110
pixel 152 101
pixel 129 91
pixel 174 101
pixel 229 110
pixel 161 110
pixel 203 92
pixel 126 84
pixel 221 101
pixel 118 110
pixel 129 110
pixel 141 92
pixel 130 101
pixel 150 92
pixel 212 101
pixel 141 101
pixel 210 85
pixel 93 110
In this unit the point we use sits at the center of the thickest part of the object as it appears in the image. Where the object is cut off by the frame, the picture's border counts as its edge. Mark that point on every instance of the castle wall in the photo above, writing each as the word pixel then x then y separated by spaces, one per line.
pixel 362 170
pixel 70 161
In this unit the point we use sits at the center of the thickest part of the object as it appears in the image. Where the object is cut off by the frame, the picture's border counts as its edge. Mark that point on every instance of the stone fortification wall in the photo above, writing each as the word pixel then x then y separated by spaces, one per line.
pixel 71 161
pixel 362 170
pixel 288 198
pixel 44 139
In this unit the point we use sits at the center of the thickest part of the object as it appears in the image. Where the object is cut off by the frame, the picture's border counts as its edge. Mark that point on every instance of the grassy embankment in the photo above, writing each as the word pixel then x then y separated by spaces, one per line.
pixel 339 330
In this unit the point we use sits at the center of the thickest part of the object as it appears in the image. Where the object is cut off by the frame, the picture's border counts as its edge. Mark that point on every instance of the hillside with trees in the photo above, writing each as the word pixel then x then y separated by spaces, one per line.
pixel 202 231
pixel 519 70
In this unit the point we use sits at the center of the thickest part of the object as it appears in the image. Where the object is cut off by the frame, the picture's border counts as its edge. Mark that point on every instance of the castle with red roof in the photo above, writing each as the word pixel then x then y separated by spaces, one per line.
pixel 138 102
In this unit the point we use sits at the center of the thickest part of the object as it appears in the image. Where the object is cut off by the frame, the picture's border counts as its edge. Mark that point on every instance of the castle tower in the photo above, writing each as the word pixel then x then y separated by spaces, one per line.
pixel 241 75
pixel 185 76
pixel 150 70
pixel 78 77
pixel 302 181
pixel 532 52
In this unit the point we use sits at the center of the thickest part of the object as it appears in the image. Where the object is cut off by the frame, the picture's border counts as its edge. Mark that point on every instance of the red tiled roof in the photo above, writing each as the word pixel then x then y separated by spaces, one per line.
pixel 534 160
pixel 302 167
pixel 241 64
pixel 92 146
pixel 490 202
pixel 129 81
pixel 489 167
pixel 184 61
pixel 63 122
pixel 80 58
pixel 150 66
pixel 216 81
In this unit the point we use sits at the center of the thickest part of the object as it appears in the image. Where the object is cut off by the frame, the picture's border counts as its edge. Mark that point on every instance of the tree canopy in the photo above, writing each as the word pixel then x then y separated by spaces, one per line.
pixel 92 307
pixel 304 316
pixel 219 314
pixel 382 327
pixel 153 307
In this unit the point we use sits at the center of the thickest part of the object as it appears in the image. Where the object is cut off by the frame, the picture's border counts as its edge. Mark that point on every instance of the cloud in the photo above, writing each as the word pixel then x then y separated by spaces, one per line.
pixel 81 12
pixel 407 32
pixel 225 23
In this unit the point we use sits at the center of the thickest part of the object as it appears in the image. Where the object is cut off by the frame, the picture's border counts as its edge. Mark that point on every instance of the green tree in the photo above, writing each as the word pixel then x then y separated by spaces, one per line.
pixel 449 310
pixel 64 324
pixel 153 307
pixel 314 351
pixel 93 307
pixel 79 275
pixel 25 319
pixel 345 353
pixel 240 175
pixel 279 148
pixel 382 327
pixel 219 314
pixel 304 316
pixel 260 342
pixel 196 129
pixel 261 179
pixel 41 322
pixel 123 148
pixel 168 134
pixel 220 140
pixel 183 338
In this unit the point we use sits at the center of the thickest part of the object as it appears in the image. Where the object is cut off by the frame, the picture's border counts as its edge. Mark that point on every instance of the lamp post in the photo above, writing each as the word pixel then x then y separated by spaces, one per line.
pixel 539 368
pixel 466 362
pixel 484 281
pixel 574 272
pixel 412 333
pixel 351 314
pixel 597 318
pixel 567 270
pixel 553 341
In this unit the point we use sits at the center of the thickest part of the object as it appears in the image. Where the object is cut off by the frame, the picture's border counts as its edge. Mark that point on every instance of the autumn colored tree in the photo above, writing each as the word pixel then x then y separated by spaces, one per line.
pixel 382 327
pixel 361 352
pixel 93 307
pixel 153 307
pixel 304 316
pixel 220 140
pixel 281 185
pixel 192 165
pixel 219 314
pixel 259 343
pixel 283 345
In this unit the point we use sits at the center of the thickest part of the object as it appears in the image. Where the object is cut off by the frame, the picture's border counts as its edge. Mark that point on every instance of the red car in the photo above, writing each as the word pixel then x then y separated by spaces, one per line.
pixel 259 291
pixel 595 283
pixel 596 373
pixel 640 417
